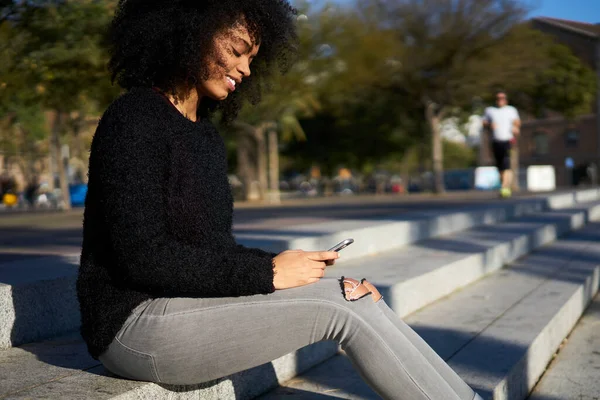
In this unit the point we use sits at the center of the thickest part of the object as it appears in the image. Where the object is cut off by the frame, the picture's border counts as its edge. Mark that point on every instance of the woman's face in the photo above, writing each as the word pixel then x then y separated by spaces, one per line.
pixel 236 50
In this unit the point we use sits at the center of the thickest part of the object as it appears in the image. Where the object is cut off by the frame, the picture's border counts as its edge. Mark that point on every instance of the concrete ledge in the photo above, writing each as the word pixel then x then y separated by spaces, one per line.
pixel 383 234
pixel 432 269
pixel 395 267
pixel 500 333
pixel 533 330
pixel 582 196
pixel 37 297
pixel 62 369
pixel 574 372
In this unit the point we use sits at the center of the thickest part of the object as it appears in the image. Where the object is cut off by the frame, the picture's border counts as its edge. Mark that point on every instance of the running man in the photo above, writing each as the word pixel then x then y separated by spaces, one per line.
pixel 504 123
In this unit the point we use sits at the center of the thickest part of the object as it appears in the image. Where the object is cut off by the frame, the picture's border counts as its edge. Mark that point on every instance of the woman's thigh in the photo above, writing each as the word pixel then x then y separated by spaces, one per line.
pixel 191 340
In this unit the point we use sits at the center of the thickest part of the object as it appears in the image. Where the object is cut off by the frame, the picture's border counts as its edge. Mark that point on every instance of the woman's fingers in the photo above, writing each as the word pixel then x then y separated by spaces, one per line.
pixel 318 264
pixel 322 255
pixel 317 273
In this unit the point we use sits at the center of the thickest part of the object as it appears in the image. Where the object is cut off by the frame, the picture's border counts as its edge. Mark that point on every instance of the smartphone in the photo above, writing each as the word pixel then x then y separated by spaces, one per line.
pixel 342 245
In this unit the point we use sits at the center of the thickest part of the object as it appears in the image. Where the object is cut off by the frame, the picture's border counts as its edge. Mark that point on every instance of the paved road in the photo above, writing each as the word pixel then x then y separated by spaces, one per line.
pixel 34 234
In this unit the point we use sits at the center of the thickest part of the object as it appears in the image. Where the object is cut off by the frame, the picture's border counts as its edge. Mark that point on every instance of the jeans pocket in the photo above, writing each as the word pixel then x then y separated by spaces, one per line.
pixel 129 363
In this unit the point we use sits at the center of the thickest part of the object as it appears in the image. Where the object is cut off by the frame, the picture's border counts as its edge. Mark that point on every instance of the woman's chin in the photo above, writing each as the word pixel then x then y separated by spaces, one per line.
pixel 218 96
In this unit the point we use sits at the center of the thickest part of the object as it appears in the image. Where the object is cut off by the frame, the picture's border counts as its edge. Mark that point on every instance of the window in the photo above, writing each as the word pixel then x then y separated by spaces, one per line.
pixel 572 138
pixel 540 143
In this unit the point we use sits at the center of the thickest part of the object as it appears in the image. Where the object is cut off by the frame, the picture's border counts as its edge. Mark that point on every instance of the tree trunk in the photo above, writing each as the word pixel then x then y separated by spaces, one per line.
pixel 246 167
pixel 274 195
pixel 261 146
pixel 77 139
pixel 77 150
pixel 30 157
pixel 437 155
pixel 60 160
pixel 258 156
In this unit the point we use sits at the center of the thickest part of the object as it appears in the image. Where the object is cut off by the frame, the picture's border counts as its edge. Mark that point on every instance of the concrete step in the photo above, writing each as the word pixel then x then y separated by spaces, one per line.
pixel 37 296
pixel 334 378
pixel 500 333
pixel 422 273
pixel 573 373
pixel 509 239
pixel 62 369
pixel 37 299
pixel 380 234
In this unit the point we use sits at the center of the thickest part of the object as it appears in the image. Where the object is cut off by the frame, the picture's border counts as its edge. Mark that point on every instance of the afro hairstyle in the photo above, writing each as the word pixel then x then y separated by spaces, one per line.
pixel 167 44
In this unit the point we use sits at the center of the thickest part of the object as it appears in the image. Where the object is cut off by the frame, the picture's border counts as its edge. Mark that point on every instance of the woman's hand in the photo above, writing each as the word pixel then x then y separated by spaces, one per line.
pixel 295 268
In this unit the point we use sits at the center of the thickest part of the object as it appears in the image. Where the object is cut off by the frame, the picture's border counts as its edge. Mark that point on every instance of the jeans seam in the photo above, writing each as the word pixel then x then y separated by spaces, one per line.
pixel 165 307
pixel 146 356
pixel 241 304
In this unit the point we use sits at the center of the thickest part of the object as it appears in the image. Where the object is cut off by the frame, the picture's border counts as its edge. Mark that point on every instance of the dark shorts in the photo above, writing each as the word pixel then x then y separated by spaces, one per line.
pixel 501 150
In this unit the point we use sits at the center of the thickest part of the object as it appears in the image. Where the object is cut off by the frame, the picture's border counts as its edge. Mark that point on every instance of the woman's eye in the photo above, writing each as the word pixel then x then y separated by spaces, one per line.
pixel 236 53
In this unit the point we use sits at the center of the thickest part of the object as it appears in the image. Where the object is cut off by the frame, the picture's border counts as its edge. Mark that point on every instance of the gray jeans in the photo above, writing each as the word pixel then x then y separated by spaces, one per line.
pixel 189 341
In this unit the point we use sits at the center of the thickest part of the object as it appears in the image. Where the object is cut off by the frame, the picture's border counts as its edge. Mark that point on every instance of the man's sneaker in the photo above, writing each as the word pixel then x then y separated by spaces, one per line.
pixel 505 193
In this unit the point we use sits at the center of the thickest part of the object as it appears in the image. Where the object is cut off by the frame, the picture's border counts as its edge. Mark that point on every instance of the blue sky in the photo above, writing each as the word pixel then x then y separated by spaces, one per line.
pixel 577 10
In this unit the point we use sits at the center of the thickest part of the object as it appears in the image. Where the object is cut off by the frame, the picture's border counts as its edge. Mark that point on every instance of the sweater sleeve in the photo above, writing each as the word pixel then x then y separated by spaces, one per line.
pixel 130 166
pixel 256 251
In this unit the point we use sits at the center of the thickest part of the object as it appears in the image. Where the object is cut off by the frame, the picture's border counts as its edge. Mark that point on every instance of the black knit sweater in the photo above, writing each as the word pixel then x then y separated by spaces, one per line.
pixel 158 217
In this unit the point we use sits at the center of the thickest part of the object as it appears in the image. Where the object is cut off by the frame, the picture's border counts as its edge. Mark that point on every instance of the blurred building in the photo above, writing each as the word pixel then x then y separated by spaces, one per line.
pixel 552 140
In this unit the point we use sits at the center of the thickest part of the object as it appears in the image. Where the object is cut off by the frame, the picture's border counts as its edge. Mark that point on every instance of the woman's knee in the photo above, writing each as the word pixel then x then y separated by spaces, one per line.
pixel 342 320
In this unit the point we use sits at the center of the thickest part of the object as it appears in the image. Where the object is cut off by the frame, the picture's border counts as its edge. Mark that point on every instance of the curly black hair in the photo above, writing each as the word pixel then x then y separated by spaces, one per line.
pixel 167 43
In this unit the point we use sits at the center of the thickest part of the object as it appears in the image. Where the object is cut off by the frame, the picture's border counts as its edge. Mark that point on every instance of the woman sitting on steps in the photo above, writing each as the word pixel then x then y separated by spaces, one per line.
pixel 166 294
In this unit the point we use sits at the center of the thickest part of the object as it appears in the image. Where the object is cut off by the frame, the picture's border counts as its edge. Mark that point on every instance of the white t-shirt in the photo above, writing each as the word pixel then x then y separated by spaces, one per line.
pixel 503 118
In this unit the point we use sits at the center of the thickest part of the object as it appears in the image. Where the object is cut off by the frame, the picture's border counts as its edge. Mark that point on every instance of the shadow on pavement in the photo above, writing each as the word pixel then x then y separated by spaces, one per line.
pixel 18 243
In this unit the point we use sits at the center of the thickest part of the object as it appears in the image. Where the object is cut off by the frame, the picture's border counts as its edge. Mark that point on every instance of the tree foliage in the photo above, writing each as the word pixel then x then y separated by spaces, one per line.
pixel 55 61
pixel 566 85
pixel 453 51
pixel 371 86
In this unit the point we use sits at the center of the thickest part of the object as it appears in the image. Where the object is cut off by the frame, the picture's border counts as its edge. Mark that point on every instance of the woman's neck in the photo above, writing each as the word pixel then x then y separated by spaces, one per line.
pixel 187 107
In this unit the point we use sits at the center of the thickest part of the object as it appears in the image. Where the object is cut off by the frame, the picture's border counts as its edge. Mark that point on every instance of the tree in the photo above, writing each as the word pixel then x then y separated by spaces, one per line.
pixel 359 133
pixel 278 112
pixel 456 50
pixel 21 119
pixel 566 85
pixel 290 96
pixel 359 122
pixel 63 60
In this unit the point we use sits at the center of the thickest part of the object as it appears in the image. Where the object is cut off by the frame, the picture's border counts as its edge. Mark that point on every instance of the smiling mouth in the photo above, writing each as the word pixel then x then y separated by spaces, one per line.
pixel 231 83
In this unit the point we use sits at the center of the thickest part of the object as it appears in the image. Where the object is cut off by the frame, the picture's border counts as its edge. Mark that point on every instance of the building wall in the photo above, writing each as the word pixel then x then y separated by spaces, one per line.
pixel 545 142
pixel 554 127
